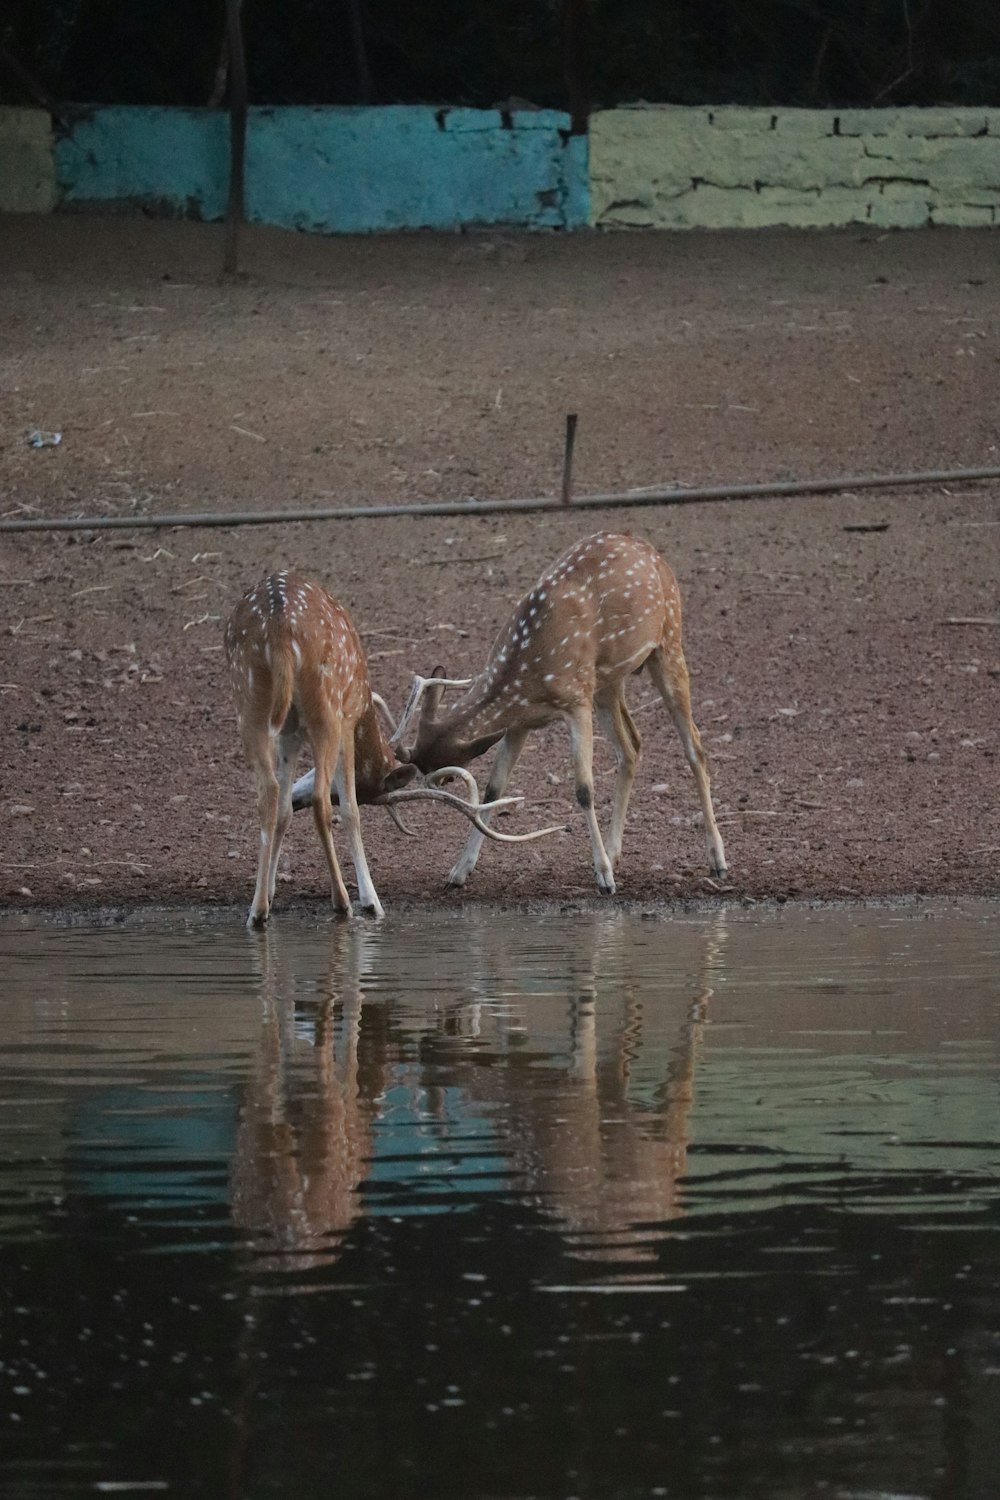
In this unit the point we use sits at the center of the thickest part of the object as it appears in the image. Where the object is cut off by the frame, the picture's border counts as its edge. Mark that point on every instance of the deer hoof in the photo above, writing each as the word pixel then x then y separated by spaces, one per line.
pixel 606 883
pixel 256 920
pixel 457 876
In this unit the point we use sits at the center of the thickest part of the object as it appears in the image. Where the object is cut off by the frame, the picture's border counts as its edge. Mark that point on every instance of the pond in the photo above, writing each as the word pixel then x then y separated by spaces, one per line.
pixel 473 1205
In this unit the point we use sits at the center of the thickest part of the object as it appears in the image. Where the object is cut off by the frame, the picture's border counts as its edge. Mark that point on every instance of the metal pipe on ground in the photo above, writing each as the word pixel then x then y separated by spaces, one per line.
pixel 696 496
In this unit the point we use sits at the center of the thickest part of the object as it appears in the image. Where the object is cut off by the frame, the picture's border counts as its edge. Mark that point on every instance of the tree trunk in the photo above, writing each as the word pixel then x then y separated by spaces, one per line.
pixel 235 210
pixel 362 69
pixel 576 63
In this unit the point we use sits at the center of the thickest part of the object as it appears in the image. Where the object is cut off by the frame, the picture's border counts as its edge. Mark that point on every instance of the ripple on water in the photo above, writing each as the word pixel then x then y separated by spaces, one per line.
pixel 479 1205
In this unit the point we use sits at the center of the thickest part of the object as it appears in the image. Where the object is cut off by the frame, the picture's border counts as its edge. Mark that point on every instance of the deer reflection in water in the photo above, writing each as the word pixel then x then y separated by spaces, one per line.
pixel 597 1131
pixel 586 1074
pixel 304 1134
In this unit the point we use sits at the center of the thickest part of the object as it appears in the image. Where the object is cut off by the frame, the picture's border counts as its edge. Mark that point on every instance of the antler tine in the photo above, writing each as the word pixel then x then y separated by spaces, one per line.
pixel 417 691
pixel 472 812
pixel 447 773
pixel 383 709
pixel 394 815
pixel 417 688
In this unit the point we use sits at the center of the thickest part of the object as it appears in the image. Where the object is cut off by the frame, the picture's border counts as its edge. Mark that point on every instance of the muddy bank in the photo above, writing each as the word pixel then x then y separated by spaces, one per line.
pixel 851 724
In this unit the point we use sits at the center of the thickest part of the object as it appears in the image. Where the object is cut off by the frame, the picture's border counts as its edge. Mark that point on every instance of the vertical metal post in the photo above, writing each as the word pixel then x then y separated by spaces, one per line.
pixel 567 474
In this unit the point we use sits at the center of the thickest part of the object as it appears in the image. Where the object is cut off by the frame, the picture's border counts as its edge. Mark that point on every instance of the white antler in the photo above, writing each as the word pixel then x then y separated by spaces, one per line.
pixel 472 810
pixel 383 709
pixel 394 815
pixel 302 790
pixel 417 691
pixel 430 791
pixel 450 773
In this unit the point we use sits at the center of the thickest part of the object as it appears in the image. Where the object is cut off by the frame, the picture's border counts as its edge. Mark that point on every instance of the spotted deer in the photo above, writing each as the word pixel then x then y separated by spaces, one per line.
pixel 299 673
pixel 606 608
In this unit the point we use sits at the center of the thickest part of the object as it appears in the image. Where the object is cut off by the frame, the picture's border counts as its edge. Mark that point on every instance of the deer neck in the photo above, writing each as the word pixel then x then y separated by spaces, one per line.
pixel 487 708
pixel 373 758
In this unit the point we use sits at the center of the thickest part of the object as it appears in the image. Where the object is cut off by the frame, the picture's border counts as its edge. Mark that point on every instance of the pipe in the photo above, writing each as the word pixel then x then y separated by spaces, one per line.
pixel 780 488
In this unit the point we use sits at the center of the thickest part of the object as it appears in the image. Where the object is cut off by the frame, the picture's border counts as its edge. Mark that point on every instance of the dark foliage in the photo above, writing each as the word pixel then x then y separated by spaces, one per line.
pixel 483 52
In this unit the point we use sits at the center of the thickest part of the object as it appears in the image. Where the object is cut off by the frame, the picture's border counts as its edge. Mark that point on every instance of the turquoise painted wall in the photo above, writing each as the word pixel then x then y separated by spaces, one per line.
pixel 174 159
pixel 336 170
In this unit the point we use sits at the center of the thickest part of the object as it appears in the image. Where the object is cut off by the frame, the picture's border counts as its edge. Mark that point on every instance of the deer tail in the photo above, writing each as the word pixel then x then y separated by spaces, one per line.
pixel 282 683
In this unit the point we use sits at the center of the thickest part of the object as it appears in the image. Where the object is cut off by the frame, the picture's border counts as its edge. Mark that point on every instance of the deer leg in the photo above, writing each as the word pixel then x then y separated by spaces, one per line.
pixel 619 726
pixel 288 754
pixel 506 758
pixel 581 730
pixel 670 676
pixel 350 818
pixel 259 748
pixel 326 755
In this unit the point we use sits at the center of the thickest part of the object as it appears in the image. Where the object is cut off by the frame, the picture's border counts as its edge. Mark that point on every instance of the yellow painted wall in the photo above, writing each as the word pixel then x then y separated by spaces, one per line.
pixel 673 167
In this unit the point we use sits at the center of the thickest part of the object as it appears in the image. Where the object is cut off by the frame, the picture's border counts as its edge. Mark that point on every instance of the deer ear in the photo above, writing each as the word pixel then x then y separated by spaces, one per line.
pixel 479 747
pixel 398 777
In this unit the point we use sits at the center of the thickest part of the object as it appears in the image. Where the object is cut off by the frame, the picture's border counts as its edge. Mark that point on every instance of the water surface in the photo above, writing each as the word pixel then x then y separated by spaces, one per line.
pixel 477 1206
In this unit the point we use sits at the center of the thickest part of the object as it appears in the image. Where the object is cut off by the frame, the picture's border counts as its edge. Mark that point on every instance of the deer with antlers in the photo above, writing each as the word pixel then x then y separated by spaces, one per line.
pixel 606 608
pixel 299 673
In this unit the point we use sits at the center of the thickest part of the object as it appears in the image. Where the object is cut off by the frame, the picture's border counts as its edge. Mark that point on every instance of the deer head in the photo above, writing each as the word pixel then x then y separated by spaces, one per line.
pixel 441 742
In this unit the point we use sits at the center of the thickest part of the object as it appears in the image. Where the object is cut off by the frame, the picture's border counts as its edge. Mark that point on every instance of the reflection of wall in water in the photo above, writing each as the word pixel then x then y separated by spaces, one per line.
pixel 132 1077
pixel 851 1040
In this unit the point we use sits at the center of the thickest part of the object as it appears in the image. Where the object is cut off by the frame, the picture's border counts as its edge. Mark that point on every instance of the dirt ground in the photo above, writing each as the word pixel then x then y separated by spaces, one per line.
pixel 852 727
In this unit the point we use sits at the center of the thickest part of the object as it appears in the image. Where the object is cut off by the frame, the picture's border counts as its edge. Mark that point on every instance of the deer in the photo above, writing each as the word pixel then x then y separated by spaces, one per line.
pixel 299 672
pixel 607 608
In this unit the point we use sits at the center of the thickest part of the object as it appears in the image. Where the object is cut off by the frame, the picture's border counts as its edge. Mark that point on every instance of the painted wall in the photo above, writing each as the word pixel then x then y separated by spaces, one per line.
pixel 174 161
pixel 336 170
pixel 730 168
pixel 406 167
pixel 27 169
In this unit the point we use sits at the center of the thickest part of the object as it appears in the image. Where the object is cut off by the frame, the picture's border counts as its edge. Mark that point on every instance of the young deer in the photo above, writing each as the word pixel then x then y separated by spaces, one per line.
pixel 606 608
pixel 299 673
